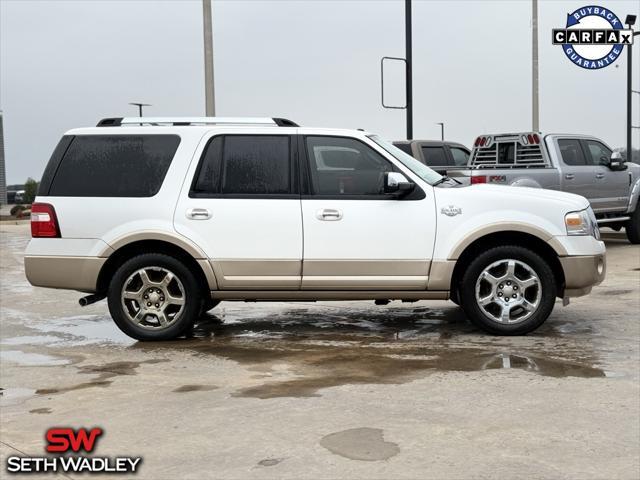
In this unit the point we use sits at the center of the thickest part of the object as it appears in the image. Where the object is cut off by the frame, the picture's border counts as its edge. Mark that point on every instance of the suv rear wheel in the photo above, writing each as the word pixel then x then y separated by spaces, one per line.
pixel 154 297
pixel 508 290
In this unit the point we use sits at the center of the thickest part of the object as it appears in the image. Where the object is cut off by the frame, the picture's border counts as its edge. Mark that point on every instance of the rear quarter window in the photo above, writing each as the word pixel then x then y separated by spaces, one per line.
pixel 435 156
pixel 114 166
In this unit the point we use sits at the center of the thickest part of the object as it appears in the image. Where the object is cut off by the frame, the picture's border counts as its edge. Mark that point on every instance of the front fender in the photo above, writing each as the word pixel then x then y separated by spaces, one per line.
pixel 453 239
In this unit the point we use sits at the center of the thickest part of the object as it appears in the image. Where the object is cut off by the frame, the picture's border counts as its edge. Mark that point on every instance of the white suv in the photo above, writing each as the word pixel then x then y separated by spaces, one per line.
pixel 166 217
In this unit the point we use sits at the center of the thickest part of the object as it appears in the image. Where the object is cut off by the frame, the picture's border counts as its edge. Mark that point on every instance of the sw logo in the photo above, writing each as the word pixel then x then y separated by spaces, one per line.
pixel 593 37
pixel 65 440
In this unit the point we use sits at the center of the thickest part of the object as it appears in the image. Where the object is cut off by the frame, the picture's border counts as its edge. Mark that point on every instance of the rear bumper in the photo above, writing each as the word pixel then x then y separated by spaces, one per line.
pixel 70 273
pixel 582 272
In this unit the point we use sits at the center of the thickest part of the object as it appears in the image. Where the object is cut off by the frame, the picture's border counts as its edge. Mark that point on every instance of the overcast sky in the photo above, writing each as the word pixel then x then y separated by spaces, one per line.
pixel 66 64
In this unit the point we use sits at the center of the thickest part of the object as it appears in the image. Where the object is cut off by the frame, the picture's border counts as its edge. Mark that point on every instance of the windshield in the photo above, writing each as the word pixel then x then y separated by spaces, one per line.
pixel 420 169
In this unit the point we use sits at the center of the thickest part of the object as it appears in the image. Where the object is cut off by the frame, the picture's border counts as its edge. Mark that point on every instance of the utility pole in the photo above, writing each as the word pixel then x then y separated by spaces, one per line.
pixel 209 88
pixel 140 105
pixel 409 66
pixel 630 21
pixel 441 130
pixel 535 106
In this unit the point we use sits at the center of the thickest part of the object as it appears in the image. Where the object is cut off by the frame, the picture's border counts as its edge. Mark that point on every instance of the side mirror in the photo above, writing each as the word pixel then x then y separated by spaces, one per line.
pixel 616 162
pixel 395 182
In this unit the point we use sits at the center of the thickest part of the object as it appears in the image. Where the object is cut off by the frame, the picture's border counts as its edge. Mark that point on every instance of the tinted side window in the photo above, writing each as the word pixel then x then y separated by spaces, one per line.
pixel 434 156
pixel 208 175
pixel 405 147
pixel 597 153
pixel 460 156
pixel 571 151
pixel 245 165
pixel 52 166
pixel 345 166
pixel 114 166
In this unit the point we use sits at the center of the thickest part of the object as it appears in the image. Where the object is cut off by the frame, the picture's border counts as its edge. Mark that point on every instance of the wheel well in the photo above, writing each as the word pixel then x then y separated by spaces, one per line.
pixel 526 240
pixel 130 250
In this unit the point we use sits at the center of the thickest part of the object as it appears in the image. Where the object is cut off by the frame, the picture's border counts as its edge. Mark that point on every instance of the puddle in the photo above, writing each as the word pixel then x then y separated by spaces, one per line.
pixel 366 444
pixel 296 353
pixel 14 396
pixel 270 462
pixel 31 359
pixel 30 340
pixel 105 373
pixel 81 330
pixel 615 292
pixel 194 388
pixel 40 410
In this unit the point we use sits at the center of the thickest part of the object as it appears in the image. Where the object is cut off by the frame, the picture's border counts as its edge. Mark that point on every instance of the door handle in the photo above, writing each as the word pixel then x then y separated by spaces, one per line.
pixel 599 175
pixel 569 176
pixel 329 214
pixel 198 214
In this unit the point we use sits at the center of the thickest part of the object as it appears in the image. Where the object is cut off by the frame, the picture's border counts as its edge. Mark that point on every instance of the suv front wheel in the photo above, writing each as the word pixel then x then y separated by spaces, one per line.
pixel 154 297
pixel 508 290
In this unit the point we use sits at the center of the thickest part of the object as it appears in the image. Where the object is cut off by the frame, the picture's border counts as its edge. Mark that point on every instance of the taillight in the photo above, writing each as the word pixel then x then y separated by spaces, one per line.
pixel 478 179
pixel 530 139
pixel 44 222
pixel 482 142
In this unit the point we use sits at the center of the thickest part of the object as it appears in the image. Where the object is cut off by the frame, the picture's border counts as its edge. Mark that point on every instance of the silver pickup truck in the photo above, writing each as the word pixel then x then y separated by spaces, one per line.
pixel 572 163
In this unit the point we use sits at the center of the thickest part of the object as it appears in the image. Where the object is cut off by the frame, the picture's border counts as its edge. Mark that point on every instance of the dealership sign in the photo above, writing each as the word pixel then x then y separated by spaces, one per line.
pixel 65 440
pixel 593 37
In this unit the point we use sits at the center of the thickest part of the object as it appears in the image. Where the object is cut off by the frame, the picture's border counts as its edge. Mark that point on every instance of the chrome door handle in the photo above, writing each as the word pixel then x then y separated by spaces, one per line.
pixel 569 176
pixel 599 175
pixel 198 214
pixel 329 214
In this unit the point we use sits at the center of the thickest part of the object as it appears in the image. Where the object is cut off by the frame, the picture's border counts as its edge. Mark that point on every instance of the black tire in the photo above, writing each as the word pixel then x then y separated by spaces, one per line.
pixel 191 293
pixel 547 293
pixel 632 227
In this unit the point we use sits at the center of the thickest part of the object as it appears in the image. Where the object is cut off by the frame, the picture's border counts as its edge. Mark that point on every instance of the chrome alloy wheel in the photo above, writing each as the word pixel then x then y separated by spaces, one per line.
pixel 508 291
pixel 153 298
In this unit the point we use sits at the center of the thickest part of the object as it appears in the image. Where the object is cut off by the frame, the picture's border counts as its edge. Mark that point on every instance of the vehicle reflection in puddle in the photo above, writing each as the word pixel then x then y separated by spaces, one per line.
pixel 297 352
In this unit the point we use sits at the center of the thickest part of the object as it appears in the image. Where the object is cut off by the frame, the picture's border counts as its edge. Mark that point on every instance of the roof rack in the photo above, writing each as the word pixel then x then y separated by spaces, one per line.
pixel 183 121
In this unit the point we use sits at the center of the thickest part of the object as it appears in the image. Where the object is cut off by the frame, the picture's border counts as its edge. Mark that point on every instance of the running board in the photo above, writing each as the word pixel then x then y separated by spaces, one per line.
pixel 613 220
pixel 311 295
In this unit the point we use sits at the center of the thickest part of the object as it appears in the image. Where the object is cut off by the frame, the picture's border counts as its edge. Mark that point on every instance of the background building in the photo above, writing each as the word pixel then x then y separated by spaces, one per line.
pixel 3 175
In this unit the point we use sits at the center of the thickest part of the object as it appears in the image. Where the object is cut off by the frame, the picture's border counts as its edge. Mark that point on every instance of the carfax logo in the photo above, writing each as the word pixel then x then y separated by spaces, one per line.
pixel 64 440
pixel 593 37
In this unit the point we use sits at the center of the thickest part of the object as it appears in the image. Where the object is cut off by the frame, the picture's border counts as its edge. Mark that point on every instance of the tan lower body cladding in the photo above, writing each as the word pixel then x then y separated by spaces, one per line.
pixel 322 274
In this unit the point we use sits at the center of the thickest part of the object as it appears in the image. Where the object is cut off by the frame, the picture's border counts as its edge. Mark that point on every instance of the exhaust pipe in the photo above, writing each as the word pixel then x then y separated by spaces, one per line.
pixel 89 299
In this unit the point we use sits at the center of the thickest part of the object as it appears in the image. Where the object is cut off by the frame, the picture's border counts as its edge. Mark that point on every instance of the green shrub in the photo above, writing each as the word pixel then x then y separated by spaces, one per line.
pixel 16 210
pixel 30 190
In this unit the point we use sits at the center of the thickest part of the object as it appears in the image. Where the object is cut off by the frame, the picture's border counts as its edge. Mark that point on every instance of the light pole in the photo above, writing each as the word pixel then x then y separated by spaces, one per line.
pixel 209 92
pixel 535 105
pixel 441 130
pixel 140 105
pixel 409 67
pixel 630 21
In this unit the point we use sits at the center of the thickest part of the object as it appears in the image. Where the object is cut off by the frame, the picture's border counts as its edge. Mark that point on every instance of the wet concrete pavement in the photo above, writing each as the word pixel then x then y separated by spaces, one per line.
pixel 331 390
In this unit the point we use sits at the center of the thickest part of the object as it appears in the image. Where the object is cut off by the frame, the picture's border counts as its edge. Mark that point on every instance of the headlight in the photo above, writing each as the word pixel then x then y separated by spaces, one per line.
pixel 582 223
